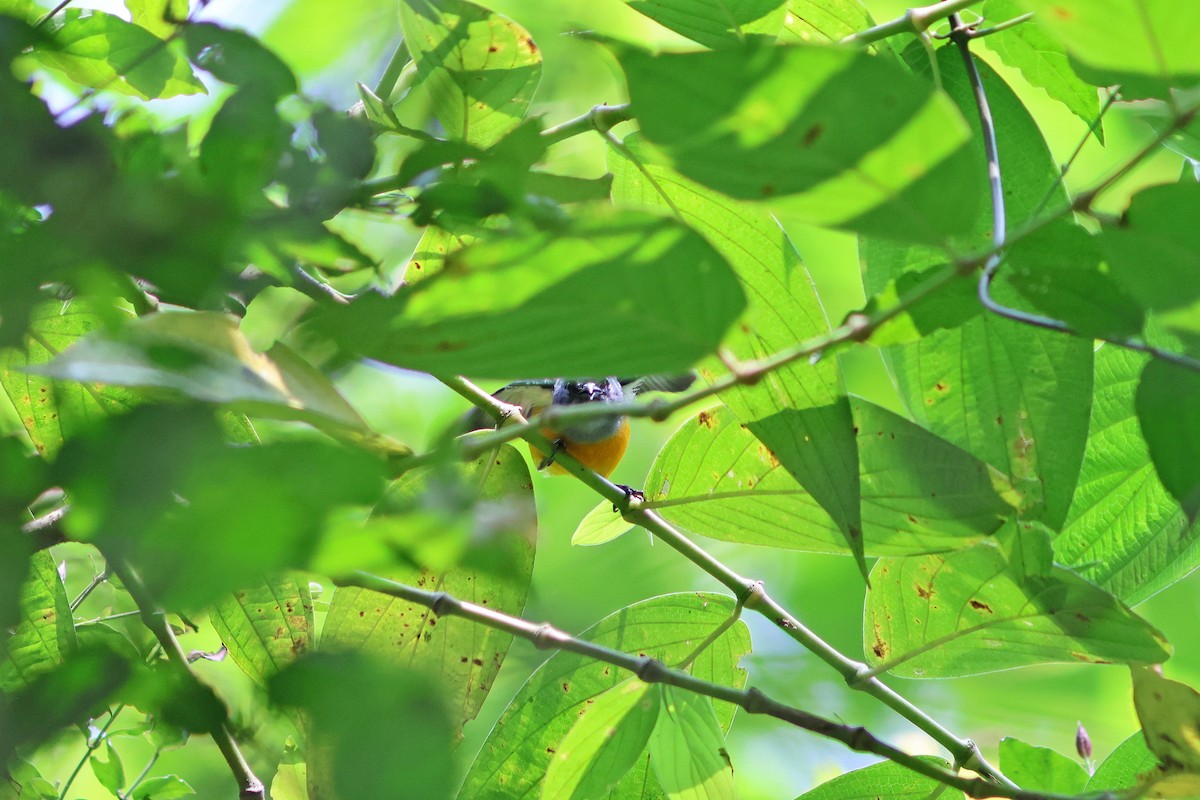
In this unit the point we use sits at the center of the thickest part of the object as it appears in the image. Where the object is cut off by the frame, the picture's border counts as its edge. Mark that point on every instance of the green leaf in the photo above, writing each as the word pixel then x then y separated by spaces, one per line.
pixel 520 748
pixel 1167 406
pixel 1170 713
pixel 479 68
pixel 688 749
pixel 1040 769
pixel 1154 252
pixel 717 23
pixel 266 627
pixel 109 772
pixel 375 725
pixel 1125 41
pixel 920 494
pixel 845 132
pixel 104 52
pixel 883 780
pixel 237 58
pixel 987 609
pixel 1058 271
pixel 164 787
pixel 824 20
pixel 1031 174
pixel 429 256
pixel 160 17
pixel 502 518
pixel 1042 61
pixel 797 411
pixel 51 411
pixel 600 525
pixel 205 356
pixel 1123 766
pixel 291 779
pixel 948 307
pixel 45 636
pixel 1124 531
pixel 247 511
pixel 604 743
pixel 581 302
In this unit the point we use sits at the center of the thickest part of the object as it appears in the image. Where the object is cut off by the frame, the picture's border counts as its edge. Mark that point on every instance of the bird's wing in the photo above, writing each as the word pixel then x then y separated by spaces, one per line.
pixel 659 383
pixel 528 395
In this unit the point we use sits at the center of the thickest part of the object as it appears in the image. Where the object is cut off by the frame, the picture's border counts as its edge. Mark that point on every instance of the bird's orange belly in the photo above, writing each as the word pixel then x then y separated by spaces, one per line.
pixel 602 456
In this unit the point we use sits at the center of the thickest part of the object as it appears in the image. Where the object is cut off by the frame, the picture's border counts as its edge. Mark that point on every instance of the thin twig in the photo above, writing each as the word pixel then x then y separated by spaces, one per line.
pixel 46 530
pixel 750 593
pixel 92 744
pixel 651 670
pixel 98 579
pixel 915 21
pixel 249 786
pixel 1070 162
pixel 600 118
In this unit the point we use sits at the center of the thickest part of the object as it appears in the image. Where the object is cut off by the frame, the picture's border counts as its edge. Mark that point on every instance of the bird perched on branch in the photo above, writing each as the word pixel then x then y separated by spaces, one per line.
pixel 598 443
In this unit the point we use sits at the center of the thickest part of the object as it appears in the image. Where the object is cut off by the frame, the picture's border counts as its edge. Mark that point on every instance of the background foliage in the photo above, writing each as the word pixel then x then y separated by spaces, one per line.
pixel 245 252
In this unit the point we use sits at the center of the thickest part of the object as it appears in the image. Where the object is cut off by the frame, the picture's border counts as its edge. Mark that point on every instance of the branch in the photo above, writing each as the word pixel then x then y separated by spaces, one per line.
pixel 650 670
pixel 749 593
pixel 601 118
pixel 249 786
pixel 961 36
pixel 915 21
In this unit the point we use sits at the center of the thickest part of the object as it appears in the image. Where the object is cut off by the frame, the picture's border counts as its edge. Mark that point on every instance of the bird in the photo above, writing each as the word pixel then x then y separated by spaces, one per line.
pixel 598 443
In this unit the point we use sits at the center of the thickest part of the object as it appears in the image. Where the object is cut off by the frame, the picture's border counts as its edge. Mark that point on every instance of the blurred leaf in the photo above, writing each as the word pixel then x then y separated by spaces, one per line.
pixel 429 256
pixel 164 787
pixel 380 725
pixel 885 779
pixel 318 40
pixel 1058 270
pixel 45 635
pixel 1042 61
pixel 160 17
pixel 205 356
pixel 1167 409
pixel 824 20
pixel 1130 43
pixel 1040 769
pixel 604 743
pixel 920 494
pixel 717 23
pixel 606 286
pixel 985 609
pixel 1154 253
pixel 499 511
pixel 798 411
pixel 71 691
pixel 687 748
pixel 844 131
pixel 1170 715
pixel 291 780
pixel 51 411
pixel 109 772
pixel 480 68
pixel 1124 531
pixel 600 525
pixel 266 627
pixel 1124 765
pixel 104 52
pixel 237 58
pixel 522 744
pixel 241 151
pixel 197 516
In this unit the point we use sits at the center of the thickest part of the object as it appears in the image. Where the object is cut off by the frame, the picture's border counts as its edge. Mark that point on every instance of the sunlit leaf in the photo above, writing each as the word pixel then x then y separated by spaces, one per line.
pixel 163 787
pixel 600 525
pixel 500 513
pixel 920 494
pixel 104 52
pixel 1170 715
pixel 267 626
pixel 1124 765
pixel 480 68
pixel 520 748
pixel 1042 61
pixel 688 749
pixel 717 23
pixel 45 636
pixel 843 132
pixel 1040 769
pixel 606 286
pixel 886 779
pixel 824 20
pixel 985 609
pixel 109 770
pixel 1124 531
pixel 604 743
pixel 798 412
